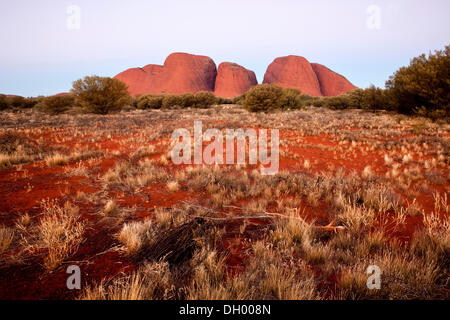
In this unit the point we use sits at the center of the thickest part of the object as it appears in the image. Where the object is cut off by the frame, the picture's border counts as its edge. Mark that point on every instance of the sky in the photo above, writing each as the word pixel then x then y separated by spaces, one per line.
pixel 48 44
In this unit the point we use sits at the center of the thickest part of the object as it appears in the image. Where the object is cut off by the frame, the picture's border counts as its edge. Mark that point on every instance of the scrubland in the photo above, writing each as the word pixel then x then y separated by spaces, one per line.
pixel 354 189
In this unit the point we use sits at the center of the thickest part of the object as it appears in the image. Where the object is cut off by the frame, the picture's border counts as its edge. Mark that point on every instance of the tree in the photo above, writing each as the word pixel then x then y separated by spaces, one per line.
pixel 424 84
pixel 101 95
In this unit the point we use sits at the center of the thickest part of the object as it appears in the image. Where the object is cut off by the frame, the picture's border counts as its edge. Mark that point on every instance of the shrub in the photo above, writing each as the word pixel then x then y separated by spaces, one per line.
pixel 150 102
pixel 221 100
pixel 337 103
pixel 101 95
pixel 17 102
pixel 238 99
pixel 423 84
pixel 3 102
pixel 268 97
pixel 373 98
pixel 263 97
pixel 204 99
pixel 172 100
pixel 56 104
pixel 189 100
pixel 291 99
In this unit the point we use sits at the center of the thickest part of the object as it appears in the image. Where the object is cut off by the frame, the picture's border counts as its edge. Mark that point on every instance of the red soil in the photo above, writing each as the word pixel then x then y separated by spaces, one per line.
pixel 23 188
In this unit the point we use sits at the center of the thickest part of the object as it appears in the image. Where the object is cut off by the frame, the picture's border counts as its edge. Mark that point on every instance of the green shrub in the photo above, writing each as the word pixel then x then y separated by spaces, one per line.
pixel 221 100
pixel 17 102
pixel 238 99
pixel 150 102
pixel 423 85
pixel 374 98
pixel 263 97
pixel 3 102
pixel 338 103
pixel 171 101
pixel 101 95
pixel 187 100
pixel 268 97
pixel 56 104
pixel 204 99
pixel 291 99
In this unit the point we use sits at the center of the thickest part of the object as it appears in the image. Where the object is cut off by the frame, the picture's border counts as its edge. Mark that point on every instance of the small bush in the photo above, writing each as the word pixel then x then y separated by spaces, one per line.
pixel 338 103
pixel 268 97
pixel 204 99
pixel 291 99
pixel 263 97
pixel 101 95
pixel 373 98
pixel 56 104
pixel 171 101
pixel 150 102
pixel 189 100
pixel 3 102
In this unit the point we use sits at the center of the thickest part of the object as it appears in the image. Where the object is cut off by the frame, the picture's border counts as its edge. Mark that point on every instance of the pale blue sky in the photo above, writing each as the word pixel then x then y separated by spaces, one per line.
pixel 41 56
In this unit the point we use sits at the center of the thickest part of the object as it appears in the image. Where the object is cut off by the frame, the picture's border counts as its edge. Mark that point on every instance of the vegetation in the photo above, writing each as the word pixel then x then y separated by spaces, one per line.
pixel 56 104
pixel 187 100
pixel 360 189
pixel 422 88
pixel 424 85
pixel 101 95
pixel 268 97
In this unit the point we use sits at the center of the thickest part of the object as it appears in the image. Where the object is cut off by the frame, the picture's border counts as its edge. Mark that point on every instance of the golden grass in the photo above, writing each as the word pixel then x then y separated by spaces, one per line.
pixel 60 233
pixel 6 238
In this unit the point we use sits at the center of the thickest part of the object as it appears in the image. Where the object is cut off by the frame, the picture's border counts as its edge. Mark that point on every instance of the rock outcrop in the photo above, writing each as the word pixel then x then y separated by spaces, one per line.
pixel 311 78
pixel 331 83
pixel 187 73
pixel 183 73
pixel 139 80
pixel 233 80
pixel 293 72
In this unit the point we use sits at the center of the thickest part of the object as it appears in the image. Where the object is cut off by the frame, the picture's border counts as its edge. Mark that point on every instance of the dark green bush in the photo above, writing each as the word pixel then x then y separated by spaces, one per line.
pixel 263 97
pixel 3 102
pixel 220 100
pixel 373 98
pixel 337 103
pixel 101 95
pixel 189 100
pixel 171 101
pixel 56 104
pixel 204 99
pixel 291 99
pixel 149 102
pixel 268 97
pixel 423 86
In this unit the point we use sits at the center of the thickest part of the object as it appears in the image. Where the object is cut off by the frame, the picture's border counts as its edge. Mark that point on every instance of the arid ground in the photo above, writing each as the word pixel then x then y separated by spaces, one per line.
pixel 354 189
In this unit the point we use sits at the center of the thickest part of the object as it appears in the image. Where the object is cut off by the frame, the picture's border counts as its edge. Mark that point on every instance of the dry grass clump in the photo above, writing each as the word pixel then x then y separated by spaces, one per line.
pixel 6 238
pixel 59 233
pixel 151 282
pixel 135 234
pixel 110 207
pixel 130 175
pixel 274 274
pixel 17 149
pixel 56 159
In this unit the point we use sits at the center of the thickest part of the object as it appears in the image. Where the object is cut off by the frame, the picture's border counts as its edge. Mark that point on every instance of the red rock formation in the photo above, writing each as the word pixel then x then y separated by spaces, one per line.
pixel 181 73
pixel 331 83
pixel 233 80
pixel 293 72
pixel 139 80
pixel 184 73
